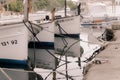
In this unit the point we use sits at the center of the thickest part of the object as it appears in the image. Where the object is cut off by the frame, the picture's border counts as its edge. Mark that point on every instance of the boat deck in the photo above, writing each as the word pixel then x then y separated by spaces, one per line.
pixel 107 66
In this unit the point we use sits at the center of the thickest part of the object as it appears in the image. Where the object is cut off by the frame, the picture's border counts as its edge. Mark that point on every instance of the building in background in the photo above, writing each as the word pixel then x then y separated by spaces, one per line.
pixel 117 2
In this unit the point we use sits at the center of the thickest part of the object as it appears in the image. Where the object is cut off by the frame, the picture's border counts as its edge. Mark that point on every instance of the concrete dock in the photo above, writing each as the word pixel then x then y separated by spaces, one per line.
pixel 107 66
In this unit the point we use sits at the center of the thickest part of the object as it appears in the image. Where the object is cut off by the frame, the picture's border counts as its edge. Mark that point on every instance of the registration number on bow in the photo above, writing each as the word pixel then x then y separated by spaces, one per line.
pixel 11 42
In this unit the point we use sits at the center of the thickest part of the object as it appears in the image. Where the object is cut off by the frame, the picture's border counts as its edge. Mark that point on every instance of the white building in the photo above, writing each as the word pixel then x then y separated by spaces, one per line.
pixel 117 2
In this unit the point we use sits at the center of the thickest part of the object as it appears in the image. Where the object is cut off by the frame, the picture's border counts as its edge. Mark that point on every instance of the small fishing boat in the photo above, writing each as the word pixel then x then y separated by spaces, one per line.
pixel 14 38
pixel 67 40
pixel 15 35
pixel 41 47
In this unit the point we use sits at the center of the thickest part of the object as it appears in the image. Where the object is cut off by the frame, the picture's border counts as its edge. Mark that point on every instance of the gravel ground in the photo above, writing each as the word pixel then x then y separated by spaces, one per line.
pixel 107 66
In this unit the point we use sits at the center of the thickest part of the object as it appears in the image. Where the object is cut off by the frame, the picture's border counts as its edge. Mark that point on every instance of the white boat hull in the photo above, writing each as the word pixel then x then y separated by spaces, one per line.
pixel 69 30
pixel 39 49
pixel 14 40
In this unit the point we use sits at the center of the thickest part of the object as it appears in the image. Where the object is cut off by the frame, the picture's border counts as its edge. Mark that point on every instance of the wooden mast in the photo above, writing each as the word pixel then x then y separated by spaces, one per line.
pixel 26 9
pixel 65 8
pixel 53 14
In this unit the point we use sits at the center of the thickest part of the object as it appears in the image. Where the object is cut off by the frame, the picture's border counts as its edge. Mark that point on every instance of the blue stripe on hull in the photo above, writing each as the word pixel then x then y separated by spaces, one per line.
pixel 8 63
pixel 41 45
pixel 67 35
pixel 90 24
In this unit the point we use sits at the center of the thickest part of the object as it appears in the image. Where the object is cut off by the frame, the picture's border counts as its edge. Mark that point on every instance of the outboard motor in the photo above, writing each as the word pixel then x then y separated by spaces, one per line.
pixel 108 35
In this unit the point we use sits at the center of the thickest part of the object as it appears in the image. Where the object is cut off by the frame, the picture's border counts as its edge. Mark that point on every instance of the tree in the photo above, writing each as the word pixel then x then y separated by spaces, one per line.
pixel 16 6
pixel 40 4
pixel 53 4
pixel 62 3
pixel 50 4
pixel 72 5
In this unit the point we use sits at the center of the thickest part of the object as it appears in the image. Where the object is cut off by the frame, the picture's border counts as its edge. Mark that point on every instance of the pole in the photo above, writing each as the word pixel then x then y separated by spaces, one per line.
pixel 79 62
pixel 79 9
pixel 65 8
pixel 66 67
pixel 53 14
pixel 25 10
pixel 29 6
pixel 54 74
